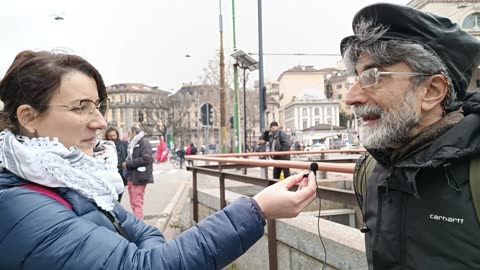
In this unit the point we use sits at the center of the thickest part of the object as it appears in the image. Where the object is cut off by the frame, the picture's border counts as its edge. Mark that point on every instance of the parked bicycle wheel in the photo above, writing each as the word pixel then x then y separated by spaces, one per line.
pixel 176 164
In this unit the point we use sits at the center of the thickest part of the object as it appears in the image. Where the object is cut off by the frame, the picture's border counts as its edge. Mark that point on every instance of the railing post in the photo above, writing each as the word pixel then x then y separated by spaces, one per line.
pixel 321 173
pixel 272 244
pixel 194 195
pixel 264 173
pixel 222 191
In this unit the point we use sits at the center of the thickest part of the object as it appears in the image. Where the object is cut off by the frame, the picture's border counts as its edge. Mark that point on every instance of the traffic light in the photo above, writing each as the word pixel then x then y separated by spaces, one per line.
pixel 170 139
pixel 210 115
pixel 231 122
pixel 140 117
pixel 264 100
pixel 207 114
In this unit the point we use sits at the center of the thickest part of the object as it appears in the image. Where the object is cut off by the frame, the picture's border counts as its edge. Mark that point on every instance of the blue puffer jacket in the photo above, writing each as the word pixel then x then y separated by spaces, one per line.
pixel 38 232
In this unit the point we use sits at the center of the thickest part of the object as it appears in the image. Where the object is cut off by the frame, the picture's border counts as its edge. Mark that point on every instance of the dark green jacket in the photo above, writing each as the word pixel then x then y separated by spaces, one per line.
pixel 419 212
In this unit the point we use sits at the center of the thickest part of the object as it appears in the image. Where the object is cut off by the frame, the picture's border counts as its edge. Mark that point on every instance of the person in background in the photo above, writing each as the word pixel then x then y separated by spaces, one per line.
pixel 422 131
pixel 162 151
pixel 59 185
pixel 181 155
pixel 279 141
pixel 191 150
pixel 139 167
pixel 112 134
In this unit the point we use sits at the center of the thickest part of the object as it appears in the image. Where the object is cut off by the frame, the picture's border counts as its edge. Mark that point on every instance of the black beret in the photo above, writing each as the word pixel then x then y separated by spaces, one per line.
pixel 456 48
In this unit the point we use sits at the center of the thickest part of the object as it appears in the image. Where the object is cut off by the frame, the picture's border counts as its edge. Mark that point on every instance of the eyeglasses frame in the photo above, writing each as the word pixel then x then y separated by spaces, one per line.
pixel 97 107
pixel 389 73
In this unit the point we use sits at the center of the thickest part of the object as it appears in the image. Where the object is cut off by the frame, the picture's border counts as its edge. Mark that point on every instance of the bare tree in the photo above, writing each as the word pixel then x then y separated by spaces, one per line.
pixel 211 72
pixel 165 115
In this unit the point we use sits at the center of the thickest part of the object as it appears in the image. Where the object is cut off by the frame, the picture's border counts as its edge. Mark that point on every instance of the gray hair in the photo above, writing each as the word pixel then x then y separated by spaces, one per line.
pixel 368 40
pixel 136 129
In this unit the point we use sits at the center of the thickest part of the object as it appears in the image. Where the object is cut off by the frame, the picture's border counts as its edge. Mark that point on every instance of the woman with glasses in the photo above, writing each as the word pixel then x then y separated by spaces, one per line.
pixel 59 184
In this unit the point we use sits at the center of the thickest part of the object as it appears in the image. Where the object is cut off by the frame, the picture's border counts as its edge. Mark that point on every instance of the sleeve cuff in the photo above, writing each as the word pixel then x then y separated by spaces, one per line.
pixel 259 210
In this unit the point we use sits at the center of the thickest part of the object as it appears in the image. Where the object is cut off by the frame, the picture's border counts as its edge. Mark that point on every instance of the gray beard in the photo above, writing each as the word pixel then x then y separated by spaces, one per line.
pixel 394 125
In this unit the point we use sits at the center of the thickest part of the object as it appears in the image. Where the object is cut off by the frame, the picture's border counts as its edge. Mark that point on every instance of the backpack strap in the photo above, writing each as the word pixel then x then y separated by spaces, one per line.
pixel 52 194
pixel 363 170
pixel 48 192
pixel 475 184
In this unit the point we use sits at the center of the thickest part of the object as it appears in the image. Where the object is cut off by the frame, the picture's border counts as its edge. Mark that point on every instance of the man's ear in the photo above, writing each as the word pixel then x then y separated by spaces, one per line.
pixel 26 116
pixel 436 89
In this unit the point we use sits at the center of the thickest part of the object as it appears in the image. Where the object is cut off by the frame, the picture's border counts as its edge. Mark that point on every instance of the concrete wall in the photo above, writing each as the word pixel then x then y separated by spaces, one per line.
pixel 298 244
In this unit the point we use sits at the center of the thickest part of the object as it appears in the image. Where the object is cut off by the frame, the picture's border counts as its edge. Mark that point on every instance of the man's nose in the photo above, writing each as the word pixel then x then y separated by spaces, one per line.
pixel 356 95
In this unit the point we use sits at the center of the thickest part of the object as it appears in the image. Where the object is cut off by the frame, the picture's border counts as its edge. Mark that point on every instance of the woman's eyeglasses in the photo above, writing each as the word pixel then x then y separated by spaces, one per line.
pixel 86 109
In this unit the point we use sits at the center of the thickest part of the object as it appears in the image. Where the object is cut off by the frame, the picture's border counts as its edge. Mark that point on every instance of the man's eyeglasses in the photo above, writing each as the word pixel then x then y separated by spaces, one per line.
pixel 86 109
pixel 370 76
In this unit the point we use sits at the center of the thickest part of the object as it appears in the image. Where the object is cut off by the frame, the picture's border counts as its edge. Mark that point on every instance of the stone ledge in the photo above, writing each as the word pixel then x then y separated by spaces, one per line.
pixel 345 245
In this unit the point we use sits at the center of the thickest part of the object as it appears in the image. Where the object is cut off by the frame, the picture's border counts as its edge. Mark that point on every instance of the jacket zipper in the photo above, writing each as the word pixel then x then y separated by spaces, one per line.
pixel 403 207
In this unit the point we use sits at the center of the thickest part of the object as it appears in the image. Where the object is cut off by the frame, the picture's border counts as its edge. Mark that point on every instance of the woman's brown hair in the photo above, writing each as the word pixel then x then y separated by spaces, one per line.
pixel 34 77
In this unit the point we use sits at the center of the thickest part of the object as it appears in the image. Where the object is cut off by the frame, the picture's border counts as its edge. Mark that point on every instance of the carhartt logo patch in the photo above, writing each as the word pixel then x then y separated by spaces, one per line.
pixel 446 219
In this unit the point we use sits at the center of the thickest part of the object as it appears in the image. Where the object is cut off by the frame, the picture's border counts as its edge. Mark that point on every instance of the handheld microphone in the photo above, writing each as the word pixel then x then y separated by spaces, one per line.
pixel 313 168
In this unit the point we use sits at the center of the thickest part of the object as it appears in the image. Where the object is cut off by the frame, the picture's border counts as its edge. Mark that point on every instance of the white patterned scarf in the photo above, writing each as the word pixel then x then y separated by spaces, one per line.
pixel 135 140
pixel 49 163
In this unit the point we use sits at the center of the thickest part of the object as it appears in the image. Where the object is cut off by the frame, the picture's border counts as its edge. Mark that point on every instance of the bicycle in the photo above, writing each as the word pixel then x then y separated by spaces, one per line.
pixel 175 161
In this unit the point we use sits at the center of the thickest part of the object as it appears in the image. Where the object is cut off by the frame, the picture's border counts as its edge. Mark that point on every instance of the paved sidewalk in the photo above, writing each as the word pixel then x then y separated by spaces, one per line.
pixel 167 180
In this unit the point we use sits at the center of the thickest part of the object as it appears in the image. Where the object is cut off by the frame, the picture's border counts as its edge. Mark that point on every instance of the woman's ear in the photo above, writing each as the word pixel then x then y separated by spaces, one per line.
pixel 26 116
pixel 435 92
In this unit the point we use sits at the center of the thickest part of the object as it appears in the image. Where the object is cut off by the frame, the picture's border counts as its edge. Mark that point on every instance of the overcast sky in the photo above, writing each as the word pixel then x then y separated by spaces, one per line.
pixel 147 41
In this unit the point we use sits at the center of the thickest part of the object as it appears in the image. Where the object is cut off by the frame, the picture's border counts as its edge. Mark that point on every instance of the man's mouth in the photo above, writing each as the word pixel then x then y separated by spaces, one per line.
pixel 370 119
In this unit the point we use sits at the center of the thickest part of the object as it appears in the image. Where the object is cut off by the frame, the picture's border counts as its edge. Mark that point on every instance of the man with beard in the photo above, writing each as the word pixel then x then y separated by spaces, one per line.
pixel 422 131
pixel 279 141
pixel 112 134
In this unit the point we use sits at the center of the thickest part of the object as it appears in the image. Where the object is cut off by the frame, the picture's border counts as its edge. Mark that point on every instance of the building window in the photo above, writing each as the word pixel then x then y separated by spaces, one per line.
pixel 478 83
pixel 304 124
pixel 317 111
pixel 472 22
pixel 122 114
pixel 317 122
pixel 339 86
pixel 114 114
pixel 329 111
pixel 339 96
pixel 304 111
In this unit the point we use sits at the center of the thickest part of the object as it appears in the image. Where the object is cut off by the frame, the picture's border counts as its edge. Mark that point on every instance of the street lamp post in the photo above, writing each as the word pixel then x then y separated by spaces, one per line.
pixel 244 112
pixel 261 82
pixel 235 86
pixel 244 61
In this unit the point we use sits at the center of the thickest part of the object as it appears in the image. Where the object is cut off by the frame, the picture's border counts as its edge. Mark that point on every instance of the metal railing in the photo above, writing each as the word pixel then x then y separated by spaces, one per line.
pixel 235 161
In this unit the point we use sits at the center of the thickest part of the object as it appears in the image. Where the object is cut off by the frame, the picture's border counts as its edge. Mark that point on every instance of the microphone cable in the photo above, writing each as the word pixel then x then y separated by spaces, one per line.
pixel 314 169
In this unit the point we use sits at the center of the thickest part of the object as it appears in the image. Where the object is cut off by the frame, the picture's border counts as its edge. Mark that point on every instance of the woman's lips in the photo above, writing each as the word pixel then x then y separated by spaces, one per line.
pixel 90 140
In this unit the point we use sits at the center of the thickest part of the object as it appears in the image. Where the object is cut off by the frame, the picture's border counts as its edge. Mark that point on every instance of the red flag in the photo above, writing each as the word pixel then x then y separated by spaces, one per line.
pixel 162 151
